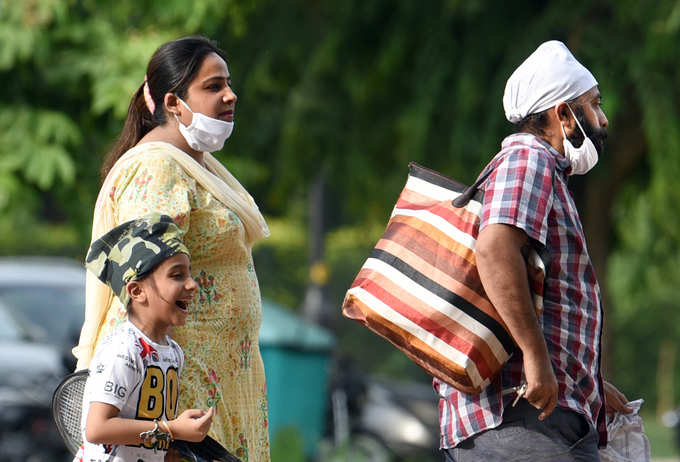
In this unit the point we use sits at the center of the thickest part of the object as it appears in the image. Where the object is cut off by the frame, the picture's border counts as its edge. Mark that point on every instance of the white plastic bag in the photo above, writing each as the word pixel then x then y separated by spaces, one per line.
pixel 626 441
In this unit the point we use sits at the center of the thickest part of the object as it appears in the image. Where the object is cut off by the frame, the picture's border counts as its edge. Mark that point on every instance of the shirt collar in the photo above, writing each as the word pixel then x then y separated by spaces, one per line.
pixel 532 141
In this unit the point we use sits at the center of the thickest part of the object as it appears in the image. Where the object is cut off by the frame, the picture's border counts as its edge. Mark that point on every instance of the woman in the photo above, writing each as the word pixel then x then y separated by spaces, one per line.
pixel 162 163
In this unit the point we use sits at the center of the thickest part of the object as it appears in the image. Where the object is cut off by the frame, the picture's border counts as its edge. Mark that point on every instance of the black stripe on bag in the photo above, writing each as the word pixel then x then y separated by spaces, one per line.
pixel 451 297
pixel 438 179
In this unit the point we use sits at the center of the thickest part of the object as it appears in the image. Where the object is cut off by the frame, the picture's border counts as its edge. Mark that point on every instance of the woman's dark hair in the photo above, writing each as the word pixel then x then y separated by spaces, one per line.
pixel 171 69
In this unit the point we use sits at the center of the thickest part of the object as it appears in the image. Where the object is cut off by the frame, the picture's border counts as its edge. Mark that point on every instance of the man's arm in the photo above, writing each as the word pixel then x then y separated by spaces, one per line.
pixel 503 273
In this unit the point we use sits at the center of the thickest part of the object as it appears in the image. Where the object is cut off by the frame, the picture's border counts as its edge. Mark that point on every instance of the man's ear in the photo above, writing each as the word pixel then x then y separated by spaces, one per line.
pixel 564 115
pixel 135 290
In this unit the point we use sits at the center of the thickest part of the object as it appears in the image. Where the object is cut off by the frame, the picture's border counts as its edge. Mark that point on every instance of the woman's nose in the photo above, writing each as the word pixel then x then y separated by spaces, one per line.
pixel 229 96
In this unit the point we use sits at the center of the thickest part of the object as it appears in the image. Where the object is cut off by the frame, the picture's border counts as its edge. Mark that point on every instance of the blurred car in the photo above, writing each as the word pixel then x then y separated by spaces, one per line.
pixel 42 302
pixel 29 373
pixel 47 294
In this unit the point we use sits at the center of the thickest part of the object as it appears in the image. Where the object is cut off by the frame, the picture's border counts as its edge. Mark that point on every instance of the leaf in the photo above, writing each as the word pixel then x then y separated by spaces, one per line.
pixel 43 157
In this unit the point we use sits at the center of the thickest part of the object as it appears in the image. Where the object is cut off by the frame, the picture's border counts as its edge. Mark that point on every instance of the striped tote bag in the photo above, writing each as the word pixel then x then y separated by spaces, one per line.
pixel 420 288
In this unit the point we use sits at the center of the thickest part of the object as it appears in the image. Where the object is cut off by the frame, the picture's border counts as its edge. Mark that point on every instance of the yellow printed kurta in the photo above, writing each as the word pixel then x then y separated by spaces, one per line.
pixel 220 339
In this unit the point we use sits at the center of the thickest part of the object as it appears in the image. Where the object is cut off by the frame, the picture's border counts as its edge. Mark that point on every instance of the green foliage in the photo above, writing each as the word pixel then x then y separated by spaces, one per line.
pixel 68 69
pixel 281 262
pixel 662 440
pixel 359 448
pixel 643 269
pixel 42 157
pixel 22 235
pixel 288 446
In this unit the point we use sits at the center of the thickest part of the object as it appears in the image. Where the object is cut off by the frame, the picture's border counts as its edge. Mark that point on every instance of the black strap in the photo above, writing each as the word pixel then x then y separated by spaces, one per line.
pixel 464 198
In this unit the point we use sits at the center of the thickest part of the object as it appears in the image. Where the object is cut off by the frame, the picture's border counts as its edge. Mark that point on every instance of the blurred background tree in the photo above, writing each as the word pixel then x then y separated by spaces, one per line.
pixel 335 98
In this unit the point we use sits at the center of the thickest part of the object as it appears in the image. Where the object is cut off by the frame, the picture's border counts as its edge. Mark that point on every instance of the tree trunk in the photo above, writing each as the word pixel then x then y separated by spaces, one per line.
pixel 598 194
pixel 665 372
pixel 314 302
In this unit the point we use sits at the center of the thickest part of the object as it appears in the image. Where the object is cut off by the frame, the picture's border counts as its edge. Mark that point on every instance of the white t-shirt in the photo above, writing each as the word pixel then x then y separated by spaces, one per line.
pixel 139 377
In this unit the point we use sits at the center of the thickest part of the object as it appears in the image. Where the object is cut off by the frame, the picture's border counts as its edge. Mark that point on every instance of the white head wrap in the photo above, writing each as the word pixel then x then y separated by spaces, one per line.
pixel 547 77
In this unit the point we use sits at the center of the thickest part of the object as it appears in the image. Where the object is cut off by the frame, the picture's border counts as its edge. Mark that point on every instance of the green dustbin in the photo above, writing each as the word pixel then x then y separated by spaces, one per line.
pixel 296 357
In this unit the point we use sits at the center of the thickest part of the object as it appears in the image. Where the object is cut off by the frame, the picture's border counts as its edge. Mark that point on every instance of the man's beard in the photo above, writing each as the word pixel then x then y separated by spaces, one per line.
pixel 596 135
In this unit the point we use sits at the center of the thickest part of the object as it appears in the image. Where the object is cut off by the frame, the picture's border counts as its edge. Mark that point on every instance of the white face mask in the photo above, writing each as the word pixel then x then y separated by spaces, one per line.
pixel 582 158
pixel 205 133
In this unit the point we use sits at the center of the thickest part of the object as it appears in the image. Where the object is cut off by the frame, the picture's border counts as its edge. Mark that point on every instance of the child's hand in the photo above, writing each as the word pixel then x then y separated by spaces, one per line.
pixel 192 424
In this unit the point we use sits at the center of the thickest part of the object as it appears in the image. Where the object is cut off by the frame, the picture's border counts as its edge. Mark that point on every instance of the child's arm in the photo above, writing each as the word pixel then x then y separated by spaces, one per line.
pixel 103 426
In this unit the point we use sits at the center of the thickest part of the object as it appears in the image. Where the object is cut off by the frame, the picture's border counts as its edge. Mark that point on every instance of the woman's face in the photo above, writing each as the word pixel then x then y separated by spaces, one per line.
pixel 210 92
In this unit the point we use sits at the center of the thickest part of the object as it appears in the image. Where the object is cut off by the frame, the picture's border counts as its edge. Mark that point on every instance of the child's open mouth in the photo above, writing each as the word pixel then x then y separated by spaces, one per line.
pixel 184 306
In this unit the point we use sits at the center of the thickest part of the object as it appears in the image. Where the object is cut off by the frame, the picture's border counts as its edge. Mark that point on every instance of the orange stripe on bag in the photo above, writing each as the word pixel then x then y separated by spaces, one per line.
pixel 437 249
pixel 463 220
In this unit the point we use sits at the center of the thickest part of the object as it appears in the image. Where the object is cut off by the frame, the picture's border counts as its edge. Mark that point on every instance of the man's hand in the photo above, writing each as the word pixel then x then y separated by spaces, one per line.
pixel 541 384
pixel 614 400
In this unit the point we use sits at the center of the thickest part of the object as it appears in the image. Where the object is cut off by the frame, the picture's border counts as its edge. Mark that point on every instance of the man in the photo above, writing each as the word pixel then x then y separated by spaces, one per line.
pixel 554 103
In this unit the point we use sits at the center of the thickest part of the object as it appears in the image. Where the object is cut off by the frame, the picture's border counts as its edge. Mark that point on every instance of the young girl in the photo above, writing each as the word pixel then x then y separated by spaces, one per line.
pixel 131 394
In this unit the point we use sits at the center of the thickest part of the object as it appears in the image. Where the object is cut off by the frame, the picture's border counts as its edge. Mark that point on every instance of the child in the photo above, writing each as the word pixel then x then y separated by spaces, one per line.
pixel 131 395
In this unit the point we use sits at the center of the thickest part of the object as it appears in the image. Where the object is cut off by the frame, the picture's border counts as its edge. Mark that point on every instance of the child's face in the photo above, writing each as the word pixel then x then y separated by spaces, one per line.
pixel 169 289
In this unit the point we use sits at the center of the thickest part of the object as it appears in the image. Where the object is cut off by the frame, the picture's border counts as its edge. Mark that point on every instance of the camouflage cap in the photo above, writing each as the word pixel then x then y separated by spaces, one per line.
pixel 132 250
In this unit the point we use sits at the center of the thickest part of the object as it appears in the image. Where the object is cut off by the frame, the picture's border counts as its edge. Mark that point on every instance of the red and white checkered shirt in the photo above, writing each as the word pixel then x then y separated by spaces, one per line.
pixel 528 190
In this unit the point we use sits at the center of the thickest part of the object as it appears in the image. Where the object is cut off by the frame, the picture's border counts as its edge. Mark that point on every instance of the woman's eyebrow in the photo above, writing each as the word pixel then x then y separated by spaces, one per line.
pixel 217 77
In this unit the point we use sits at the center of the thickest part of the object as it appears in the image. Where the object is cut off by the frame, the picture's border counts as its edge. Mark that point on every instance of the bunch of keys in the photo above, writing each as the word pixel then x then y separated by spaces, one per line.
pixel 520 390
